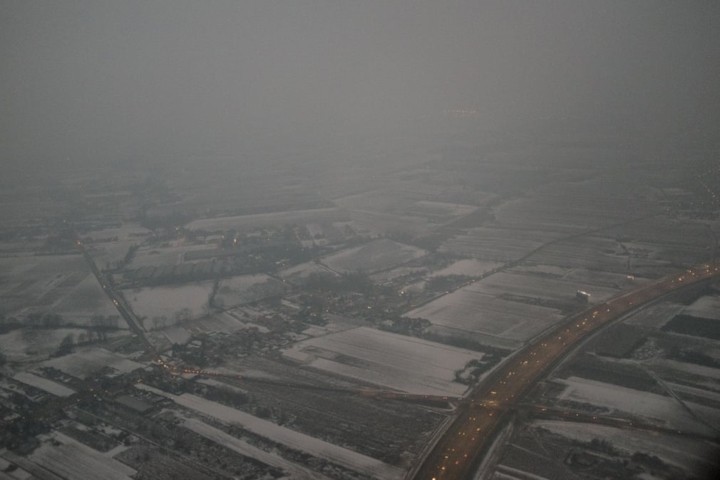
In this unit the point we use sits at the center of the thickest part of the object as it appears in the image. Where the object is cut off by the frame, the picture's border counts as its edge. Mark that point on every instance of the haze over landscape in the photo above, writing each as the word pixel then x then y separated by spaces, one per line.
pixel 359 240
pixel 107 82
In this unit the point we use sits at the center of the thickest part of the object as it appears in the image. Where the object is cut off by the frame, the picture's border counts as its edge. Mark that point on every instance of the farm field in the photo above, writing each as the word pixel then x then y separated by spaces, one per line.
pixel 657 408
pixel 25 345
pixel 382 223
pixel 157 257
pixel 468 266
pixel 263 220
pixel 394 361
pixel 442 211
pixel 285 436
pixel 390 431
pixel 86 300
pixel 497 244
pixel 603 254
pixel 694 455
pixel 44 384
pixel 298 273
pixel 469 311
pixel 656 316
pixel 245 289
pixel 705 307
pixel 371 257
pixel 246 449
pixel 578 206
pixel 560 290
pixel 110 245
pixel 87 361
pixel 170 303
pixel 228 321
pixel 36 282
pixel 72 459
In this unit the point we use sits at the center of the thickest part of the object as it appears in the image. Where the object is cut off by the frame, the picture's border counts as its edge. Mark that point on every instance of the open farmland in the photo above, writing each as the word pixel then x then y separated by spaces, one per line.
pixel 158 257
pixel 244 448
pixel 577 206
pixel 87 362
pixel 109 246
pixel 381 223
pixel 679 242
pixel 86 300
pixel 44 384
pixel 285 436
pixel 659 408
pixel 529 287
pixel 395 361
pixel 23 345
pixel 705 307
pixel 468 311
pixel 298 273
pixel 72 459
pixel 387 276
pixel 245 289
pixel 694 455
pixel 226 321
pixel 440 211
pixel 37 283
pixel 587 251
pixel 497 244
pixel 390 431
pixel 263 220
pixel 171 303
pixel 469 267
pixel 374 256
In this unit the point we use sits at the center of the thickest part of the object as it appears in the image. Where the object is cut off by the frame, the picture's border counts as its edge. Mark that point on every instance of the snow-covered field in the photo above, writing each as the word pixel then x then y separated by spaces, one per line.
pixel 36 282
pixel 84 301
pixel 469 267
pixel 389 275
pixel 61 284
pixel 561 289
pixel 296 472
pixel 170 255
pixel 373 256
pixel 441 209
pixel 705 307
pixel 44 384
pixel 395 361
pixel 85 362
pixel 642 404
pixel 299 272
pixel 695 455
pixel 594 203
pixel 262 220
pixel 28 344
pixel 128 231
pixel 170 301
pixel 655 316
pixel 590 252
pixel 110 245
pixel 246 288
pixel 469 310
pixel 497 244
pixel 72 459
pixel 291 438
pixel 381 223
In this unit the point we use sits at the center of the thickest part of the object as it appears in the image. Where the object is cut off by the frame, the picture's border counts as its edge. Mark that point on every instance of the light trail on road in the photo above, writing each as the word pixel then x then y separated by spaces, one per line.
pixel 460 450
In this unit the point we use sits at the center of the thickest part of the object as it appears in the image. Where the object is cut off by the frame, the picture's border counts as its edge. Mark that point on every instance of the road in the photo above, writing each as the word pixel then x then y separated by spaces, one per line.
pixel 458 453
pixel 125 311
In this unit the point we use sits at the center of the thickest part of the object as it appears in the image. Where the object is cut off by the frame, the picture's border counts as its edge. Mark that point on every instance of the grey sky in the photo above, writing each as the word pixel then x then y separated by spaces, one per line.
pixel 106 80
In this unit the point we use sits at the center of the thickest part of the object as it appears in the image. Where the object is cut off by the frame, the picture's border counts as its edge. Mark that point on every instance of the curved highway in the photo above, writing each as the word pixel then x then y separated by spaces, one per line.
pixel 460 450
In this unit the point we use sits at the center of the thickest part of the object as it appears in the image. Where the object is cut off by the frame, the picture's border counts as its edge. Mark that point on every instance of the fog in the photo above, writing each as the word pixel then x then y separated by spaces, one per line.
pixel 106 82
